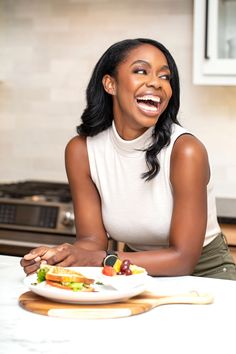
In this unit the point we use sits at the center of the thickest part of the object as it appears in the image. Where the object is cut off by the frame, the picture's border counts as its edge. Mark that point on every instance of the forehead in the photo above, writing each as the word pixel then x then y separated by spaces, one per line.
pixel 146 52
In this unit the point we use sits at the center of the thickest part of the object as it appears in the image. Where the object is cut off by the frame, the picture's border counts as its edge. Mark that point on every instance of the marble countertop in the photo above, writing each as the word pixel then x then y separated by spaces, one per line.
pixel 165 329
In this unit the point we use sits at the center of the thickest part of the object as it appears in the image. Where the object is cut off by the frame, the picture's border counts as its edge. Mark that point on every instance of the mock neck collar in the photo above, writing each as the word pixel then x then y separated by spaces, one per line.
pixel 131 147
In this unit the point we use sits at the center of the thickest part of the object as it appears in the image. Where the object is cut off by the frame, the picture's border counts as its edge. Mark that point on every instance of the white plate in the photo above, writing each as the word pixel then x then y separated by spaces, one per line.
pixel 103 294
pixel 120 282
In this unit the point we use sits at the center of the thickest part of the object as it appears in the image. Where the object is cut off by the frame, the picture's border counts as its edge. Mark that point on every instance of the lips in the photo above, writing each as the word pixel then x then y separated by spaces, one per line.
pixel 149 104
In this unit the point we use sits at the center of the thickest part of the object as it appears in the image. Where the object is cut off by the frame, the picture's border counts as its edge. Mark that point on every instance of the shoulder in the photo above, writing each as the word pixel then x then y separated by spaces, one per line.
pixel 189 155
pixel 188 146
pixel 76 146
pixel 76 155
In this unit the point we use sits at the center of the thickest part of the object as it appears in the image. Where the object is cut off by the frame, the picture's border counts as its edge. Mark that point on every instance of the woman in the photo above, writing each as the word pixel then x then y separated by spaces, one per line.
pixel 137 176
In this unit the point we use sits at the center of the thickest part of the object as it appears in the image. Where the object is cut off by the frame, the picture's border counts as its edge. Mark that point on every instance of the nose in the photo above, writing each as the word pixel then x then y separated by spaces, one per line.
pixel 153 81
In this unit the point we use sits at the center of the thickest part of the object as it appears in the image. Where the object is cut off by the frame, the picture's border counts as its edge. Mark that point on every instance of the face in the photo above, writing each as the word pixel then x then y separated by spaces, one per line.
pixel 141 90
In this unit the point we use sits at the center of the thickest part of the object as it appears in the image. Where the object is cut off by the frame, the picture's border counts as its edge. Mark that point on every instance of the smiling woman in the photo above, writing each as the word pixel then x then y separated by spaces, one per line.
pixel 137 176
pixel 140 89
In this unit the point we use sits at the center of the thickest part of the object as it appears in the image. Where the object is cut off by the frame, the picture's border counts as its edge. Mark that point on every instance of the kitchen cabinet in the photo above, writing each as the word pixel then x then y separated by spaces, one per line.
pixel 214 42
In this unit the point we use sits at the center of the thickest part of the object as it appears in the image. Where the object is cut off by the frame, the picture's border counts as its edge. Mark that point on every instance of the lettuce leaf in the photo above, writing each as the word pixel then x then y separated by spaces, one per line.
pixel 75 286
pixel 41 274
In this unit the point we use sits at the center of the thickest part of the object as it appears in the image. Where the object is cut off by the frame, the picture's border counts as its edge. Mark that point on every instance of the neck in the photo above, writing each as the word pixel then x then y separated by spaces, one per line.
pixel 127 132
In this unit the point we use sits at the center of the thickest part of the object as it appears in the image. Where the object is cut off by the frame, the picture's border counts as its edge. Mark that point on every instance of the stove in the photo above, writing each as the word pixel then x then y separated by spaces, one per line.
pixel 34 213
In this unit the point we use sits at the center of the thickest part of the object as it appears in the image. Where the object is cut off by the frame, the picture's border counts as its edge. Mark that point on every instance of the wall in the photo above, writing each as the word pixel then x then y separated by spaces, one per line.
pixel 47 51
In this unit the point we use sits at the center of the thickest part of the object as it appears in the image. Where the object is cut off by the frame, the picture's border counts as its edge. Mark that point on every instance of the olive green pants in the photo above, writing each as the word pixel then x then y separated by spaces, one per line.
pixel 214 262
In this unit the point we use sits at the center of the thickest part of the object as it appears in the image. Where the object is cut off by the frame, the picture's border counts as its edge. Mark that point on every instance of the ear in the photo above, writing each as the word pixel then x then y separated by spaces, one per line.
pixel 109 84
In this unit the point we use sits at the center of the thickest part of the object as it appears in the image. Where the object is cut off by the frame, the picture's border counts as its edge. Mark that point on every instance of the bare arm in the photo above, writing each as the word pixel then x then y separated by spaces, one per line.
pixel 91 238
pixel 90 231
pixel 189 175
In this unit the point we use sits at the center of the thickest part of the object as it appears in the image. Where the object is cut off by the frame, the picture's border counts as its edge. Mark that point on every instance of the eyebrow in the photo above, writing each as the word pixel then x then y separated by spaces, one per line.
pixel 139 61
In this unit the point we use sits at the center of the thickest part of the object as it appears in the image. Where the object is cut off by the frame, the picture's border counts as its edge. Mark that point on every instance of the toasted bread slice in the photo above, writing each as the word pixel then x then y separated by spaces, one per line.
pixel 60 274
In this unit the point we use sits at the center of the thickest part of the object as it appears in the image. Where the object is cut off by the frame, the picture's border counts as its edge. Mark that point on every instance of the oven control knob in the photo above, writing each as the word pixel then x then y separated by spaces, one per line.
pixel 69 219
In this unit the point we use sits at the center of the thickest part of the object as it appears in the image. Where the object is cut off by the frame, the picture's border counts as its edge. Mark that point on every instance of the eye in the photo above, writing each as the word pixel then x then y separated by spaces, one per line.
pixel 140 71
pixel 165 77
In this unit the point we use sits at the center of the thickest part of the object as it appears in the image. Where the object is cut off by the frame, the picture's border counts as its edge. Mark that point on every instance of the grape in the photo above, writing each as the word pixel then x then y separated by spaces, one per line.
pixel 124 268
pixel 128 272
pixel 126 262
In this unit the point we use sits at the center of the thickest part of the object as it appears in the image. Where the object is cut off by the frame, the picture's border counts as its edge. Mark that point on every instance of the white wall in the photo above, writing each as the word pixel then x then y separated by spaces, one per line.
pixel 47 52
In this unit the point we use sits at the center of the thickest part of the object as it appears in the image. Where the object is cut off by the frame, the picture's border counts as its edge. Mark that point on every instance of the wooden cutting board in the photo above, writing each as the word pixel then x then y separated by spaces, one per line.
pixel 136 305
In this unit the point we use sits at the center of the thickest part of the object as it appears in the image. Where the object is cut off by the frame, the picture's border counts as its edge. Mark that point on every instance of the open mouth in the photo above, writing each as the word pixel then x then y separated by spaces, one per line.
pixel 149 103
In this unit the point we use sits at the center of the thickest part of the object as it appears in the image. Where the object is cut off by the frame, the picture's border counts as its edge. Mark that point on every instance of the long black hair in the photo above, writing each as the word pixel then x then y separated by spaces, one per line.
pixel 98 115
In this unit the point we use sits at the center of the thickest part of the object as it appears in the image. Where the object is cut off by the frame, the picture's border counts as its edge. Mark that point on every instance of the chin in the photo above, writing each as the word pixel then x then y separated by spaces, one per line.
pixel 149 122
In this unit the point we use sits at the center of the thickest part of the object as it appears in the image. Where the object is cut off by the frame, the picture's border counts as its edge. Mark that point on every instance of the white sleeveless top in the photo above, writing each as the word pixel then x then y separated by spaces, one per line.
pixel 136 212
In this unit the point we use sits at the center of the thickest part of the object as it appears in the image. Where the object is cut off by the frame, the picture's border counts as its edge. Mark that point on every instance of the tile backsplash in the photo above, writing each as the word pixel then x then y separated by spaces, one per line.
pixel 47 52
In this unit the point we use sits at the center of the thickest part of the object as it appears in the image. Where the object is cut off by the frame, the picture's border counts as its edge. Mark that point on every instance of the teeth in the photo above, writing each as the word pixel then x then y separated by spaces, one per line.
pixel 149 97
pixel 150 108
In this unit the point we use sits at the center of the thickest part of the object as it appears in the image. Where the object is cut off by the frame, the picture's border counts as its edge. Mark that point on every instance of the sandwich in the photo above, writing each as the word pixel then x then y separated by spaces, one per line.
pixel 64 278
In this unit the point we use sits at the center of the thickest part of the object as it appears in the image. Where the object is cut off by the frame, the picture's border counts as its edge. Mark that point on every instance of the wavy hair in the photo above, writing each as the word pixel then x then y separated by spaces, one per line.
pixel 98 114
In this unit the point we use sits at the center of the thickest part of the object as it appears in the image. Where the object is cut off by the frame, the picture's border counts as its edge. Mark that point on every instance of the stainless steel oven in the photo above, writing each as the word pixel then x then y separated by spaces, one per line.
pixel 34 213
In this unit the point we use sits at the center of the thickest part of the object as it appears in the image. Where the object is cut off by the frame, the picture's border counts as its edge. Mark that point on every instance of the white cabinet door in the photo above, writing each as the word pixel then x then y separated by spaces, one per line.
pixel 214 57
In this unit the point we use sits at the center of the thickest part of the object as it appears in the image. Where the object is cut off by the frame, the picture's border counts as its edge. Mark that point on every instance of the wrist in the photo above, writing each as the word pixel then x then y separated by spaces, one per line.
pixel 110 258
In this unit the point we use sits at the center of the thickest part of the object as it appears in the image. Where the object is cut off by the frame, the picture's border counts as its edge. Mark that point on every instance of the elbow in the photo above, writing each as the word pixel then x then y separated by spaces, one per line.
pixel 186 264
pixel 187 267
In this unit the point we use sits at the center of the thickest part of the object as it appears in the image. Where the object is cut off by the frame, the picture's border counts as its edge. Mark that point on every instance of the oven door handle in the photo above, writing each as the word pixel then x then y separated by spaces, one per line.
pixel 24 243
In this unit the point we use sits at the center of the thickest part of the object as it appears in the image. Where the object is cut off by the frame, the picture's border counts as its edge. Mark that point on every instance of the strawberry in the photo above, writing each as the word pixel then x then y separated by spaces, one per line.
pixel 108 270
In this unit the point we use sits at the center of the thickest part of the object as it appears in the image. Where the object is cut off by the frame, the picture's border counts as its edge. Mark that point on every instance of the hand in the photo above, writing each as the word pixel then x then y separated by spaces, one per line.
pixel 65 255
pixel 68 255
pixel 32 260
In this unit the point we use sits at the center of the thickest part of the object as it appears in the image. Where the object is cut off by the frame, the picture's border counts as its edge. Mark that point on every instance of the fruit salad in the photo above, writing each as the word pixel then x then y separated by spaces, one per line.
pixel 124 267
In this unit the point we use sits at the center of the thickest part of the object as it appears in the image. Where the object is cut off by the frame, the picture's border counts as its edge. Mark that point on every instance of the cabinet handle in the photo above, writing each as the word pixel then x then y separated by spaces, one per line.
pixel 206 31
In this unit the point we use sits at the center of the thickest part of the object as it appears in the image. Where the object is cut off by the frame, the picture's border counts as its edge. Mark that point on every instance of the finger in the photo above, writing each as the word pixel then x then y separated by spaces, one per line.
pixel 56 254
pixel 58 257
pixel 68 261
pixel 64 263
pixel 49 254
pixel 33 263
pixel 25 263
pixel 32 268
pixel 36 252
